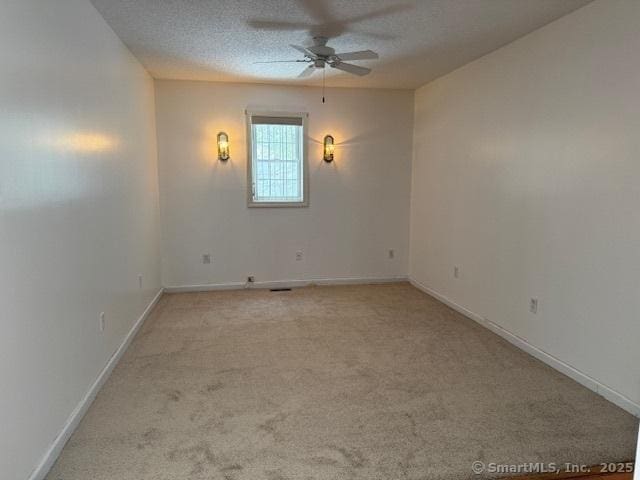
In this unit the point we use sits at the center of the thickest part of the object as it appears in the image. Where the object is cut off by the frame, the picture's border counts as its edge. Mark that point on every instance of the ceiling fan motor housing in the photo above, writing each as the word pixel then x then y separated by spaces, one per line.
pixel 322 51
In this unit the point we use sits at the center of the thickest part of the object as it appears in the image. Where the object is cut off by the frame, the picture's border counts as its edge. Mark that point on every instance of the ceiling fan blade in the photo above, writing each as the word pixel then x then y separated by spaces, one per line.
pixel 284 61
pixel 318 10
pixel 303 50
pixel 376 35
pixel 347 67
pixel 382 12
pixel 361 55
pixel 307 71
pixel 277 26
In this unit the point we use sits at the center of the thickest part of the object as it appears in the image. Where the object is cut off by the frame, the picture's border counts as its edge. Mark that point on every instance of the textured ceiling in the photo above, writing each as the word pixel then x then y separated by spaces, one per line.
pixel 418 40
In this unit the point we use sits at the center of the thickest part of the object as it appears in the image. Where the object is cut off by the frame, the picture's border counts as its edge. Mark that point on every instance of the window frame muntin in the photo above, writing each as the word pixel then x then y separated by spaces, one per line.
pixel 305 163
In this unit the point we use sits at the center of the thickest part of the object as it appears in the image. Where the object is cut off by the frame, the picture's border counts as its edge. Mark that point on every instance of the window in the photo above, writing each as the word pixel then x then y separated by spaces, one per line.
pixel 277 168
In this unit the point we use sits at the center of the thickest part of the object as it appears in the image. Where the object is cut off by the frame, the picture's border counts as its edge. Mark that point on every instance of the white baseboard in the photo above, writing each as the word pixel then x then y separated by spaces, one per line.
pixel 285 284
pixel 582 378
pixel 359 280
pixel 52 453
pixel 204 287
pixel 636 474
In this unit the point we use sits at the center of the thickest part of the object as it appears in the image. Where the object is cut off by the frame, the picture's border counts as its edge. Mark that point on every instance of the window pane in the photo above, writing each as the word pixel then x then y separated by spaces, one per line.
pixel 277 163
pixel 291 170
pixel 292 190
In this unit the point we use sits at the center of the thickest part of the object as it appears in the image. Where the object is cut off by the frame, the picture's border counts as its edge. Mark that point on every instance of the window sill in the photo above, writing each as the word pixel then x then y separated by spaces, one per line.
pixel 251 204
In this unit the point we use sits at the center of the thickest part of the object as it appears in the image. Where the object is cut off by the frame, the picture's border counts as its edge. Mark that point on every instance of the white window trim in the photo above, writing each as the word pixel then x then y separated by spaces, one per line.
pixel 305 164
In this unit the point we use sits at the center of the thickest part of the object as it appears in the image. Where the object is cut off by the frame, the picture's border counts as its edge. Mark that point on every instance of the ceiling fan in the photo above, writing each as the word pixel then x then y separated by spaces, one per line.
pixel 320 55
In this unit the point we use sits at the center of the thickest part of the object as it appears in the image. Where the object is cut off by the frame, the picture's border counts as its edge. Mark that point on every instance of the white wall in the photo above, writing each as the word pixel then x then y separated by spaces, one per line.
pixel 78 214
pixel 359 204
pixel 526 175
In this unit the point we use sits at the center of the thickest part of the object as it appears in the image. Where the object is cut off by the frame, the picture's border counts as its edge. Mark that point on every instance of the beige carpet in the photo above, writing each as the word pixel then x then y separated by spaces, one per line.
pixel 354 382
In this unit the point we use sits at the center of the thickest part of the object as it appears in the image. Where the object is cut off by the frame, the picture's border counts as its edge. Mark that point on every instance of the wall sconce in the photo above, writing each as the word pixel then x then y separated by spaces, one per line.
pixel 223 146
pixel 328 148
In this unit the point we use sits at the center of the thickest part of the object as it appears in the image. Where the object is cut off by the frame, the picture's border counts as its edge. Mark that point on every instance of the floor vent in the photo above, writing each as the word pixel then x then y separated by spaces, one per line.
pixel 280 289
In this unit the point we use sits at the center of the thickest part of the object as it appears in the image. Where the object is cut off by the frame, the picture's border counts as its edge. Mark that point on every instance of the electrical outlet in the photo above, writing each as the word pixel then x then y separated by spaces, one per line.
pixel 139 280
pixel 456 272
pixel 533 305
pixel 299 255
pixel 251 279
pixel 391 253
pixel 101 321
pixel 206 259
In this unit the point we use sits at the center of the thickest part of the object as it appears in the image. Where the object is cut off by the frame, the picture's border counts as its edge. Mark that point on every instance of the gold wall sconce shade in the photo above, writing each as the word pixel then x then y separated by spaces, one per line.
pixel 223 146
pixel 328 148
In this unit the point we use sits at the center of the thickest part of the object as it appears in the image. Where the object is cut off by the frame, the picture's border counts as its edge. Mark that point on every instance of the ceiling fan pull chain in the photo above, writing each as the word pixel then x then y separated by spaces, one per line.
pixel 323 74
